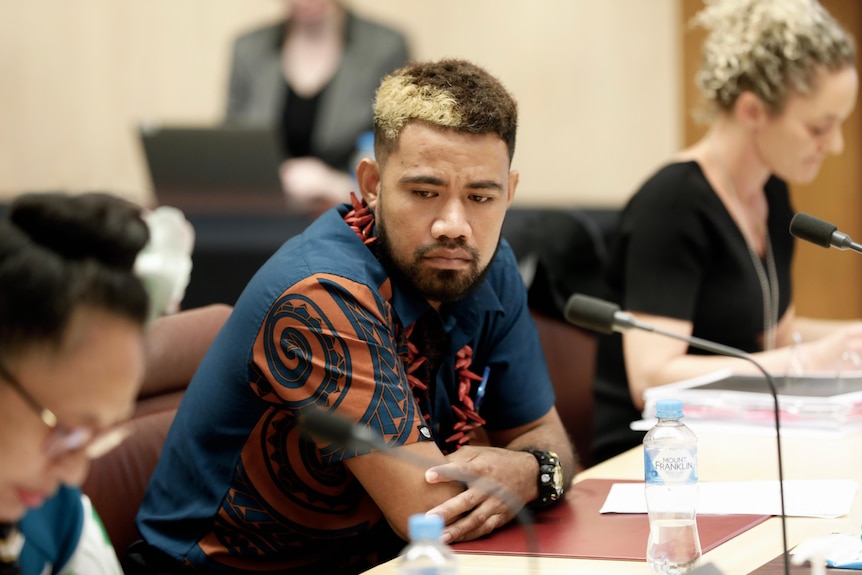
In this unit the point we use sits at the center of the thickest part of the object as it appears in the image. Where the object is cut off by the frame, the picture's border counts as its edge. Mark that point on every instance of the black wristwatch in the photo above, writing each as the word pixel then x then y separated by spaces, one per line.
pixel 550 479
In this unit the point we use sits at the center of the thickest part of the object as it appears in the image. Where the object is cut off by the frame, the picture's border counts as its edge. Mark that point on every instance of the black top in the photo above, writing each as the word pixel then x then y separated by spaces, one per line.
pixel 678 253
pixel 297 121
pixel 299 114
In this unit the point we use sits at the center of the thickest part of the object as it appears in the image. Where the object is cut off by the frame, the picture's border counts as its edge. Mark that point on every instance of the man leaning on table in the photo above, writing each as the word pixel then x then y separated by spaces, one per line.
pixel 345 318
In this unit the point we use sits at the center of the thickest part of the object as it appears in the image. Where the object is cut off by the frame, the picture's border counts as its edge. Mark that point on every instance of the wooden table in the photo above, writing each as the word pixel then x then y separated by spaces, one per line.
pixel 725 456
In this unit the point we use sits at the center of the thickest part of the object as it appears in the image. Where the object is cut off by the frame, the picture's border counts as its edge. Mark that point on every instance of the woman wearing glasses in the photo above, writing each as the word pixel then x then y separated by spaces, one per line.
pixel 72 316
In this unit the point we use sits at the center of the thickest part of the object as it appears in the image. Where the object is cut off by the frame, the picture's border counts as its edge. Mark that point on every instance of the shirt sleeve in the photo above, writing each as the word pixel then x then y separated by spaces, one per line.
pixel 328 342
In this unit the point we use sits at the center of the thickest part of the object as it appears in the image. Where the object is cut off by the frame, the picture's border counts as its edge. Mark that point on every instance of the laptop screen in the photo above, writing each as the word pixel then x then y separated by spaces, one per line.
pixel 214 169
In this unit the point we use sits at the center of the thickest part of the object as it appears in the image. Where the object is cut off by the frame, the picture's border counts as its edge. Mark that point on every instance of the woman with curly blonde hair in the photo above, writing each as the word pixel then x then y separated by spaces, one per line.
pixel 703 247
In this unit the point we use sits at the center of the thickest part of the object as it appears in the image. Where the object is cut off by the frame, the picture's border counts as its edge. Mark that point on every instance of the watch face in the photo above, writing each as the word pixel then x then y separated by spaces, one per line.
pixel 557 479
pixel 552 474
pixel 550 477
pixel 557 476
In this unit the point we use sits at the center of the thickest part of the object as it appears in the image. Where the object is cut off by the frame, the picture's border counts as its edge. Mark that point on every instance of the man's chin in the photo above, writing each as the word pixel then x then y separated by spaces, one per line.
pixel 445 288
pixel 443 294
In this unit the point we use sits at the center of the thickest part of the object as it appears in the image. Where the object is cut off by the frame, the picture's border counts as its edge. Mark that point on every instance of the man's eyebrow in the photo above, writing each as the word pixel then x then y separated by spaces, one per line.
pixel 435 181
pixel 485 185
pixel 421 179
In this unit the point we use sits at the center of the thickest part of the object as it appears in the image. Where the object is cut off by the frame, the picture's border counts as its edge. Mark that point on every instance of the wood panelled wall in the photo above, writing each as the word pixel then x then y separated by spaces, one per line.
pixel 827 283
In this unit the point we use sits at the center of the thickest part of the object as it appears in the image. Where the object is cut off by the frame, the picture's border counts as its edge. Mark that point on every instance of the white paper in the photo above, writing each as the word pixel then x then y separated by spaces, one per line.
pixel 827 498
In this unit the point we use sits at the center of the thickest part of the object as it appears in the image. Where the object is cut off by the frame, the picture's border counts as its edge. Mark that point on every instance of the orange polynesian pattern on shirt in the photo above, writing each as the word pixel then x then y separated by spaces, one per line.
pixel 317 346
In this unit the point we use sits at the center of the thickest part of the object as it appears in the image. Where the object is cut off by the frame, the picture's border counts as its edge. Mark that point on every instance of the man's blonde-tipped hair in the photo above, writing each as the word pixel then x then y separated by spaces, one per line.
pixel 450 94
pixel 770 47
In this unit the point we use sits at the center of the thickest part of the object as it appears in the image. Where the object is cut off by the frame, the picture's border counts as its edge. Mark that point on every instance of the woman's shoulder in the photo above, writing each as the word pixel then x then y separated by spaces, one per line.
pixel 266 37
pixel 677 171
pixel 674 182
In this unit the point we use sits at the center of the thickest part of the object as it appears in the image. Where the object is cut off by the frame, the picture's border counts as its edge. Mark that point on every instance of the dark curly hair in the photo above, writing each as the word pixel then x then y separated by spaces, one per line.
pixel 59 252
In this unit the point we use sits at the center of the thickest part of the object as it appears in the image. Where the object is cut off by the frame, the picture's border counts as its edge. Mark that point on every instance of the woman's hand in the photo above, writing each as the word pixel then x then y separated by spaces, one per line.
pixel 835 352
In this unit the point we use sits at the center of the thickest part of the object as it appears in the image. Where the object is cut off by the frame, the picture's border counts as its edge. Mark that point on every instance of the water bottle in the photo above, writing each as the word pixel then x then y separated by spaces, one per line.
pixel 426 554
pixel 670 476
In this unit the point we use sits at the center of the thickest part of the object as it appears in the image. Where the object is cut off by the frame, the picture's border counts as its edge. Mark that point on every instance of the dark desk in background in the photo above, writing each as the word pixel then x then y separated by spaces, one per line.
pixel 233 241
pixel 231 246
pixel 229 249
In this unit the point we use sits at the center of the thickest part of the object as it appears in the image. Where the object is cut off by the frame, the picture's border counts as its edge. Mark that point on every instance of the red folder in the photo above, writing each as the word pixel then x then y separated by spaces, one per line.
pixel 575 528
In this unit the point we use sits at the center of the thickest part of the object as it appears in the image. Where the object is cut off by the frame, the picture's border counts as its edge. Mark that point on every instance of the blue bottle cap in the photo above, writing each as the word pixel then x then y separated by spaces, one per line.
pixel 423 526
pixel 668 409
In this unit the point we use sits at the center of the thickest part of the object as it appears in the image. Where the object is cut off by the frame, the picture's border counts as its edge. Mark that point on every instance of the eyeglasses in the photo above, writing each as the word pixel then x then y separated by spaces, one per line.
pixel 62 439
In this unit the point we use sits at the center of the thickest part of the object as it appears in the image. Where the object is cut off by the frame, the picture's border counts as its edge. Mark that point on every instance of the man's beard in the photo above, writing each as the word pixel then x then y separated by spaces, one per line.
pixel 438 285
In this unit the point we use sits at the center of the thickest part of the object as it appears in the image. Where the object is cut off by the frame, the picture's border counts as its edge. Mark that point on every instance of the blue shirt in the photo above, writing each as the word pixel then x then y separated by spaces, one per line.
pixel 51 532
pixel 322 324
pixel 65 536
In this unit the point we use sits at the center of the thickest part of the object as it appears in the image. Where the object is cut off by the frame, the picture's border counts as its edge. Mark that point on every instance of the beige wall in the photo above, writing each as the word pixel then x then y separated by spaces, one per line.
pixel 597 83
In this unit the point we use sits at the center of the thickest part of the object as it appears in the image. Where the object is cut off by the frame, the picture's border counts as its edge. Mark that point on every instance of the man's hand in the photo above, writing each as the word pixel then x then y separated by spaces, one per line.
pixel 507 481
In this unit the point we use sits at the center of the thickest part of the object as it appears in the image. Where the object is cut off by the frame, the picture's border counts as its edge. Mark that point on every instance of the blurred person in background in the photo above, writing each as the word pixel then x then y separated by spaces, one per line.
pixel 72 317
pixel 89 321
pixel 312 77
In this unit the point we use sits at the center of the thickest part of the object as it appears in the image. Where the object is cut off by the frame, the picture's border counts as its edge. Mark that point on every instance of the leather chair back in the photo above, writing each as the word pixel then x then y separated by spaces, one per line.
pixel 117 480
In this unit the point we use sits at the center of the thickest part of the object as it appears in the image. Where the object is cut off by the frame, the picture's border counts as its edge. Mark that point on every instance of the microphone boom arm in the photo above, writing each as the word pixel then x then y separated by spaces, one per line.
pixel 842 241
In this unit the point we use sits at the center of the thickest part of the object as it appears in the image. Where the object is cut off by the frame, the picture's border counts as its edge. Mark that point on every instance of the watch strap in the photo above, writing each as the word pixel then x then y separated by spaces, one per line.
pixel 549 480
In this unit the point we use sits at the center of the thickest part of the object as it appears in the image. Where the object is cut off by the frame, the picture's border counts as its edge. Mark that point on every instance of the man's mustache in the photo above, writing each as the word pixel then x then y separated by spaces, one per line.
pixel 448 244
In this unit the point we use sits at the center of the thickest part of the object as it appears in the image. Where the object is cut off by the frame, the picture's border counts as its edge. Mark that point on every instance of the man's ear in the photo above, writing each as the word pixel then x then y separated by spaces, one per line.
pixel 514 177
pixel 368 180
pixel 750 110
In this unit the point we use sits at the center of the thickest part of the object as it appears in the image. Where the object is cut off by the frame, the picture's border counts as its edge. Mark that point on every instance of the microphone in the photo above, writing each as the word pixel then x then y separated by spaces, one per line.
pixel 342 431
pixel 823 234
pixel 606 317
